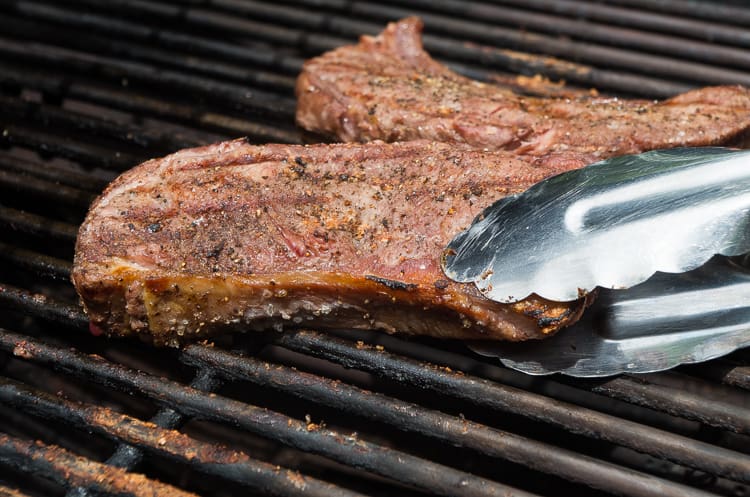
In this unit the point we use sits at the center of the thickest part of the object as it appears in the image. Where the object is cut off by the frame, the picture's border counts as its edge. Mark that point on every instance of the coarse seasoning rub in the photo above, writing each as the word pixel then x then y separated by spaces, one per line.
pixel 346 235
pixel 388 88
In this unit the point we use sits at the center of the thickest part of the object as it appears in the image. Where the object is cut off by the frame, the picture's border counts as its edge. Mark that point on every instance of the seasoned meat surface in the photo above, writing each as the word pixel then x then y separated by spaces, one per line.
pixel 346 235
pixel 388 88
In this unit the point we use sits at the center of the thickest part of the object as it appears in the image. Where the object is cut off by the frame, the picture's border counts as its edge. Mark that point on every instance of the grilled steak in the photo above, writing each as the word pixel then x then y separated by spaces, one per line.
pixel 340 235
pixel 388 88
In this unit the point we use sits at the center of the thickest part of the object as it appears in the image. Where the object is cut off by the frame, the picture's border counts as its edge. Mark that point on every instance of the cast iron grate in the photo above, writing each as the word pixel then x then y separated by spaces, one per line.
pixel 90 89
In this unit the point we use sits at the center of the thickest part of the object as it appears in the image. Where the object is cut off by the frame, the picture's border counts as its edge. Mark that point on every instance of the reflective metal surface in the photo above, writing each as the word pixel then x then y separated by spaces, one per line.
pixel 670 319
pixel 612 224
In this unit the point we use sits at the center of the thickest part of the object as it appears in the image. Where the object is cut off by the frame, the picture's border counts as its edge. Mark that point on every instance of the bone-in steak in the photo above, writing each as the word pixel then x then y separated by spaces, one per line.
pixel 388 88
pixel 344 235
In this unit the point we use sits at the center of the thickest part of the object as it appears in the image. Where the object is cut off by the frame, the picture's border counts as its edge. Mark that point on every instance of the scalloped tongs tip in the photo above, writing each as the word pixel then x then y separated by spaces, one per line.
pixel 648 221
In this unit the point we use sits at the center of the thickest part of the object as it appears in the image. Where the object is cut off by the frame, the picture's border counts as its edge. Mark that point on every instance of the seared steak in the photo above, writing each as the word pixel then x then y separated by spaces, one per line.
pixel 388 88
pixel 328 235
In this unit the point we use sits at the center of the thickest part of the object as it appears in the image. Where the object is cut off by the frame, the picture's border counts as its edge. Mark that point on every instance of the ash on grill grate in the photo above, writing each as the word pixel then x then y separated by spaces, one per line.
pixel 89 90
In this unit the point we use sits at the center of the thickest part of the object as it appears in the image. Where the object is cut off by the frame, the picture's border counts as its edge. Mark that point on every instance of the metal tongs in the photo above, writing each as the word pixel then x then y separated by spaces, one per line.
pixel 659 235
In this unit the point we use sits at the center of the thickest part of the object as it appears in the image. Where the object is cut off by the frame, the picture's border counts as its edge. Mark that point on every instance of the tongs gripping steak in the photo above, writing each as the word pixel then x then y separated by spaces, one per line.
pixel 347 236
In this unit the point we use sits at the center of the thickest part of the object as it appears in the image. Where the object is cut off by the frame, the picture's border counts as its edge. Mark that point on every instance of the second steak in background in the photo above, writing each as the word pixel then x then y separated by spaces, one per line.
pixel 388 88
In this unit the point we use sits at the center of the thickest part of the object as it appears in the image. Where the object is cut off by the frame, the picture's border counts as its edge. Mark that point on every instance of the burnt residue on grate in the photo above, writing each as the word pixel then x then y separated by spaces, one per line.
pixel 89 90
pixel 67 469
pixel 171 444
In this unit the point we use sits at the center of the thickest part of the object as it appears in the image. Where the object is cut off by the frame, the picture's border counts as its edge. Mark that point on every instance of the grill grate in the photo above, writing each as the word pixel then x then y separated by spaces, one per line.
pixel 89 90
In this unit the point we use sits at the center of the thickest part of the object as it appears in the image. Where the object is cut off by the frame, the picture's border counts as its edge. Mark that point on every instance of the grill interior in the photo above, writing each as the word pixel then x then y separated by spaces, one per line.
pixel 89 89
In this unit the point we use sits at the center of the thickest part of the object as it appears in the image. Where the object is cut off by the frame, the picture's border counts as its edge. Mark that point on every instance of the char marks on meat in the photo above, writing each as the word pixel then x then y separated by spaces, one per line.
pixel 346 235
pixel 388 88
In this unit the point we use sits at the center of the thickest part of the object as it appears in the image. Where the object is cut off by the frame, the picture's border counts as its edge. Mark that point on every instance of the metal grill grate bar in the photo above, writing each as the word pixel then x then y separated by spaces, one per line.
pixel 49 116
pixel 120 26
pixel 642 391
pixel 37 225
pixel 499 397
pixel 511 38
pixel 204 457
pixel 52 172
pixel 641 19
pixel 714 11
pixel 55 88
pixel 577 73
pixel 48 144
pixel 503 398
pixel 129 456
pixel 46 189
pixel 581 29
pixel 410 417
pixel 346 449
pixel 68 470
pixel 144 52
pixel 593 54
pixel 449 25
pixel 723 371
pixel 312 43
pixel 40 306
pixel 667 404
pixel 236 96
pixel 525 63
pixel 40 264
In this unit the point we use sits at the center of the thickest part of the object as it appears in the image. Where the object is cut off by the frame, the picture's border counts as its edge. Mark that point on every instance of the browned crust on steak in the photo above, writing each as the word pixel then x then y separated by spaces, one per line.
pixel 348 236
pixel 388 88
